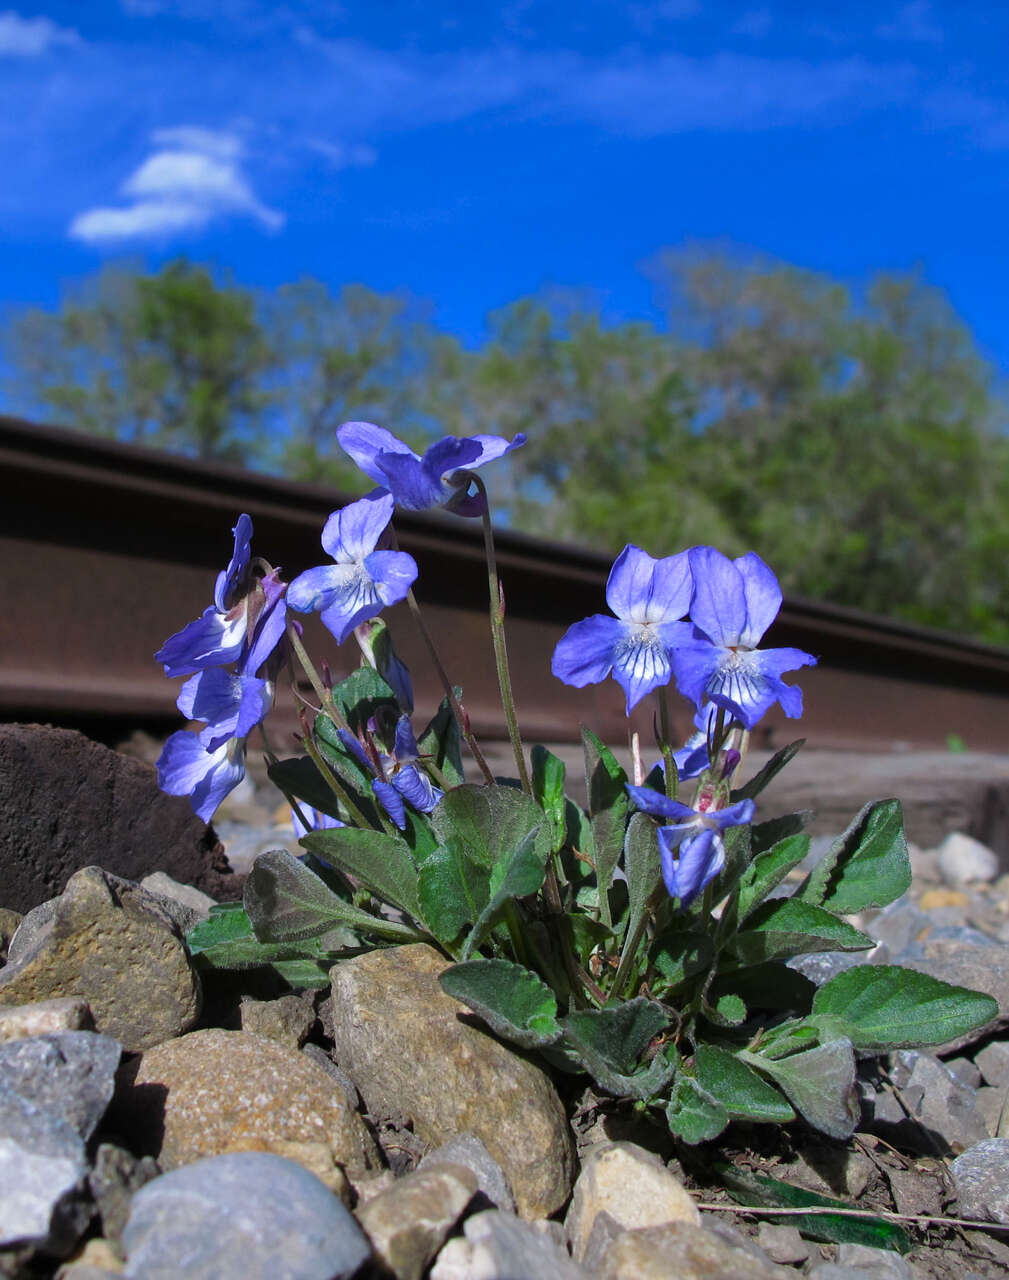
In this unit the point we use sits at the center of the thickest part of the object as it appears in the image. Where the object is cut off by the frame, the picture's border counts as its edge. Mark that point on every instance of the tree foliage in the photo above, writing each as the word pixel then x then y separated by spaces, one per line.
pixel 855 441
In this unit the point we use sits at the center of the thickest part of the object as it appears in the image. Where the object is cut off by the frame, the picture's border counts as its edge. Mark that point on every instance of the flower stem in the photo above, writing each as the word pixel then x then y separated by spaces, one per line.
pixel 630 951
pixel 446 684
pixel 672 776
pixel 324 695
pixel 334 783
pixel 497 616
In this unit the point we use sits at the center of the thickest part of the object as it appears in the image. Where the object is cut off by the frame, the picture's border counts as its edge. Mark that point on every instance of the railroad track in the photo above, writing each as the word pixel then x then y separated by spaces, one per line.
pixel 109 548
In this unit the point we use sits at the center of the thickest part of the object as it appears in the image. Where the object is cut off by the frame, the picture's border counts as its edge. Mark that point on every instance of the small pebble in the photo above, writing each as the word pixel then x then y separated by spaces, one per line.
pixel 962 859
pixel 981 1178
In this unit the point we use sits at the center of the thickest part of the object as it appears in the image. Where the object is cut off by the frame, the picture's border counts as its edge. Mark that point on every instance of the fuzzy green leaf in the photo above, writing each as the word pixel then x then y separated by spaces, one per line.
pixel 611 1042
pixel 693 1115
pixel 452 890
pixel 513 1001
pixel 884 1007
pixel 750 790
pixel 818 1082
pixel 490 823
pixel 548 788
pixel 738 1088
pixel 605 783
pixel 641 866
pixel 784 927
pixel 363 695
pixel 288 903
pixel 518 877
pixel 868 866
pixel 767 870
pixel 380 862
pixel 441 741
pixel 765 834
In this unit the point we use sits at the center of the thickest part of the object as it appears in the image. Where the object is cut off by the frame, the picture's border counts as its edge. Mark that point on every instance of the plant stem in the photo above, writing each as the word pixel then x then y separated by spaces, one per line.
pixel 497 616
pixel 334 783
pixel 324 695
pixel 446 684
pixel 630 951
pixel 672 777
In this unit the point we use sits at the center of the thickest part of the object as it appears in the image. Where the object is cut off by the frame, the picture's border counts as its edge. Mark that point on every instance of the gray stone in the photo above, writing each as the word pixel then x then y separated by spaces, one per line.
pixel 315 1053
pixel 963 859
pixel 194 900
pixel 467 1149
pixel 412 1050
pixel 965 1071
pixel 630 1184
pixel 43 1202
pixel 685 1252
pixel 215 1091
pixel 993 1063
pixel 881 1264
pixel 781 1243
pixel 288 1019
pixel 939 1103
pixel 990 1103
pixel 821 966
pixel 114 945
pixel 67 1013
pixel 981 1178
pixel 244 1216
pixel 72 1074
pixel 116 1176
pixel 499 1246
pixel 408 1223
pixel 9 921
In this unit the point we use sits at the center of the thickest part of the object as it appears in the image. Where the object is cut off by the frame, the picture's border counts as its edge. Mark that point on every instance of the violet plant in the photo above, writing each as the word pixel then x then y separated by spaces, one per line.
pixel 641 938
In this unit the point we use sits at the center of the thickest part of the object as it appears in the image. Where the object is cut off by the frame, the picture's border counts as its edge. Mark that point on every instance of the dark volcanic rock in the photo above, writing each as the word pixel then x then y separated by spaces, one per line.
pixel 67 802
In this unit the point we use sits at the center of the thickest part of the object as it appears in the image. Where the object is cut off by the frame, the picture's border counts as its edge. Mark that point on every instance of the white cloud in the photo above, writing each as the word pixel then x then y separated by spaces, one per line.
pixel 344 155
pixel 176 190
pixel 30 37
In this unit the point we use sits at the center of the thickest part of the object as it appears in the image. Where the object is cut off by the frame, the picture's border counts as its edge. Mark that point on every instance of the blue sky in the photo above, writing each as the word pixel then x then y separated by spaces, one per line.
pixel 472 153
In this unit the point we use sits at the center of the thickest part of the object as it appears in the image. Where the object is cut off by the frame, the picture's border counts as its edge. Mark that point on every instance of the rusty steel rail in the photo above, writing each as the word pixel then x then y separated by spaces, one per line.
pixel 109 548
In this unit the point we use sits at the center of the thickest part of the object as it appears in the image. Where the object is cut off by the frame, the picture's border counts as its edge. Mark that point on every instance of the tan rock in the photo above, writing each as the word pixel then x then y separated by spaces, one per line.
pixel 68 1013
pixel 408 1050
pixel 681 1251
pixel 215 1091
pixel 94 1257
pixel 408 1223
pixel 111 943
pixel 630 1184
pixel 288 1019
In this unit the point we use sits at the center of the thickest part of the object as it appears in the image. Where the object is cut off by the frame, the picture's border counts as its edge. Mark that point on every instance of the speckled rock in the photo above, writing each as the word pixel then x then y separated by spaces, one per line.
pixel 467 1149
pixel 630 1184
pixel 981 1178
pixel 499 1246
pixel 685 1252
pixel 408 1223
pixel 408 1050
pixel 961 859
pixel 114 945
pixel 214 1091
pixel 69 1073
pixel 67 1013
pixel 288 1019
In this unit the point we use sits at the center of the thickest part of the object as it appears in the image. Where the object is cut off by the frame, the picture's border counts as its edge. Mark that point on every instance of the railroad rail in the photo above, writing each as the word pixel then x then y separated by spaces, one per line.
pixel 108 548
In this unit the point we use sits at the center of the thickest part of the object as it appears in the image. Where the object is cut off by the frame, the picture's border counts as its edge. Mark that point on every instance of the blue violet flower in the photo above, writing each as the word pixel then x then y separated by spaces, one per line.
pixel 397 777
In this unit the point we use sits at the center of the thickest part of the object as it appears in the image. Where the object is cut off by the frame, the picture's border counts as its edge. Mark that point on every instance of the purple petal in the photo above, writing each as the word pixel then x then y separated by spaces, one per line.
pixel 655 803
pixel 393 573
pixel 356 750
pixel 584 654
pixel 718 606
pixel 364 442
pixel 640 663
pixel 391 801
pixel 750 681
pixel 692 759
pixel 314 589
pixel 230 705
pixel 185 768
pixel 491 447
pixel 405 744
pixel 416 787
pixel 353 532
pixel 693 666
pixel 413 486
pixel 641 589
pixel 449 454
pixel 320 822
pixel 211 640
pixel 700 859
pixel 763 597
pixel 270 625
pixel 734 815
pixel 228 580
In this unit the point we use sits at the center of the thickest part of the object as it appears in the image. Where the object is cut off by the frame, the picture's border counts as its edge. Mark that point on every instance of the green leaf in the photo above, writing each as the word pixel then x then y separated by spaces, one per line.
pixel 304 972
pixel 725 1011
pixel 679 954
pixel 288 903
pixel 299 777
pixel 884 1007
pixel 762 1192
pixel 750 790
pixel 517 877
pixel 605 783
pixel 765 834
pixel 452 890
pixel 587 934
pixel 611 1042
pixel 227 941
pixel 364 694
pixel 490 823
pixel 767 870
pixel 818 1082
pixel 693 1115
pixel 738 1088
pixel 513 1002
pixel 548 788
pixel 380 862
pixel 641 866
pixel 867 866
pixel 784 927
pixel 442 742
pixel 768 986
